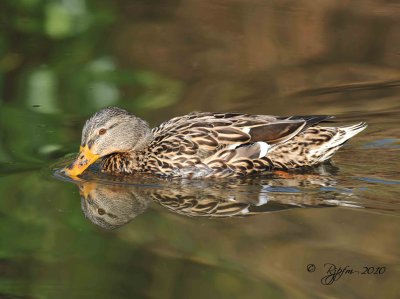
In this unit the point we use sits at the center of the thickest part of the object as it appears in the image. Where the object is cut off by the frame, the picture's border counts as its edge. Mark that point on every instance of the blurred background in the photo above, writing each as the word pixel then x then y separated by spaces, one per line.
pixel 62 60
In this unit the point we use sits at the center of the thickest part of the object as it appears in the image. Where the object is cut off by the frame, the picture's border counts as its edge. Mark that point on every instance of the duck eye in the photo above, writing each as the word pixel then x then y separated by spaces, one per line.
pixel 101 211
pixel 102 131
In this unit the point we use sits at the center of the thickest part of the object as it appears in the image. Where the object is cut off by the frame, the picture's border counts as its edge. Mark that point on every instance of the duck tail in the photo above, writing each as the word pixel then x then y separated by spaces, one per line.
pixel 346 132
pixel 312 146
pixel 343 134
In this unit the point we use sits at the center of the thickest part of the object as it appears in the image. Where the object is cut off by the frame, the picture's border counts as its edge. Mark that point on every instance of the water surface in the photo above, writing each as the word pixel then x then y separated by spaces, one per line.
pixel 250 238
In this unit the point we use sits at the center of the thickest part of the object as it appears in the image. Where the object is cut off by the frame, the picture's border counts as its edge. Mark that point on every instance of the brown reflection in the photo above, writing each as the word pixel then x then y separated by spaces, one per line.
pixel 110 205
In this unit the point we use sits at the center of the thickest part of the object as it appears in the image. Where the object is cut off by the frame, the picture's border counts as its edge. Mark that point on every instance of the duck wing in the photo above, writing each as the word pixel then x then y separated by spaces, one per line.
pixel 218 130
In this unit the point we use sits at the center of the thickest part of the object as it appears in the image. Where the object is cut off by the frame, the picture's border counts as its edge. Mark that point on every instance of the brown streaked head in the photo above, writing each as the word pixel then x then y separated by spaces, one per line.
pixel 111 130
pixel 111 206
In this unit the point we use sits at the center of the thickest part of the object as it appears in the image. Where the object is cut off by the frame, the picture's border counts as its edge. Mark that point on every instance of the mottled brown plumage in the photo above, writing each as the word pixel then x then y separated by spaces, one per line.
pixel 208 144
pixel 113 204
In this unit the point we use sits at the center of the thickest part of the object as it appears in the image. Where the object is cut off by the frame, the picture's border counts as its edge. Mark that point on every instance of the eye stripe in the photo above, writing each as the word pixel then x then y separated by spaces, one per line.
pixel 90 142
pixel 97 135
pixel 113 125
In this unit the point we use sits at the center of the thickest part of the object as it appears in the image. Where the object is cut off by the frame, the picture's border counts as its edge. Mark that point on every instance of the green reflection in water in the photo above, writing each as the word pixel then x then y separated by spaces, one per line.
pixel 62 60
pixel 51 252
pixel 58 51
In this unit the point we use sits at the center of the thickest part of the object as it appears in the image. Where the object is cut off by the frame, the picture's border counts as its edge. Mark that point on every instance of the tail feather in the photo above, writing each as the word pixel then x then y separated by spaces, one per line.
pixel 343 134
pixel 312 146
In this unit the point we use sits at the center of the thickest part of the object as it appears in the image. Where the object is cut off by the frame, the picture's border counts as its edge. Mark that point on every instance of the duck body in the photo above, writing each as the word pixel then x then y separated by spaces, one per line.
pixel 209 144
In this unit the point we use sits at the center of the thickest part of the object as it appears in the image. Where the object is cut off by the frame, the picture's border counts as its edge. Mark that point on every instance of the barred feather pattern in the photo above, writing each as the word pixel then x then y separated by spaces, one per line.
pixel 222 145
pixel 111 206
pixel 313 146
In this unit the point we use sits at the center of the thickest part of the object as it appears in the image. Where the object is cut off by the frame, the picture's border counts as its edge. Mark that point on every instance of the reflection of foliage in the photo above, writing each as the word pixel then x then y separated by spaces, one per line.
pixel 17 128
pixel 54 59
pixel 54 54
pixel 57 60
pixel 48 245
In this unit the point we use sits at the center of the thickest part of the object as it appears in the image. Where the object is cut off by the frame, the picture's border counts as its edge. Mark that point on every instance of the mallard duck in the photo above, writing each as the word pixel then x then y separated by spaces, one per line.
pixel 205 144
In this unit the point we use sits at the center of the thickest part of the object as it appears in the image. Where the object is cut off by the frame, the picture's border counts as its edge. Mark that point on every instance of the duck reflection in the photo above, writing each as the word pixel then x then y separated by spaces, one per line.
pixel 112 205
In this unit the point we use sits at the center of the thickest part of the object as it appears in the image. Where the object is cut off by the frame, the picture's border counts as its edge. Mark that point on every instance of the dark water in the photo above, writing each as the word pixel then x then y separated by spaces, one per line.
pixel 144 237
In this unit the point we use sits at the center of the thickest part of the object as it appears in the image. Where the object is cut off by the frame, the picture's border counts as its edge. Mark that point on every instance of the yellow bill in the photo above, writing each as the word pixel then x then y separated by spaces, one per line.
pixel 84 160
pixel 86 188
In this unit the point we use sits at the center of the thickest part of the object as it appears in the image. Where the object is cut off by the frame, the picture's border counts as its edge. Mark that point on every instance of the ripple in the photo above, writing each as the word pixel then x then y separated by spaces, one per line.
pixel 379 181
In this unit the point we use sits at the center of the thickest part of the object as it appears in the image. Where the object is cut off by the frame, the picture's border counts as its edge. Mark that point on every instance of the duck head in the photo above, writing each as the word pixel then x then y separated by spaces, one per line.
pixel 111 130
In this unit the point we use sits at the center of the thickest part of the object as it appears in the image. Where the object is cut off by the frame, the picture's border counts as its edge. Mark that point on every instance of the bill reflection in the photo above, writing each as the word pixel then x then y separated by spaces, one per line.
pixel 111 205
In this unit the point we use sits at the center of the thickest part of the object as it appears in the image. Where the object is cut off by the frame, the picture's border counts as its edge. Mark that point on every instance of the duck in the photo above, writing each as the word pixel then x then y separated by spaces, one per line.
pixel 207 144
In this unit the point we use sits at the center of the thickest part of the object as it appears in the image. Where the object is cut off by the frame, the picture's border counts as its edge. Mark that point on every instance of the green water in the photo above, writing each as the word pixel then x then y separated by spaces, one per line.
pixel 144 237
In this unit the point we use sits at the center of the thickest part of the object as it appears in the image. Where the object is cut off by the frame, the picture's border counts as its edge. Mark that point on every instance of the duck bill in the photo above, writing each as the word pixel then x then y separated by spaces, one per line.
pixel 85 158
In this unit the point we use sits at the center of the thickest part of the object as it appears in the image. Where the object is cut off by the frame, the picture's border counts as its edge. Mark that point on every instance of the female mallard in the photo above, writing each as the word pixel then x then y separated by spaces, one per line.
pixel 206 144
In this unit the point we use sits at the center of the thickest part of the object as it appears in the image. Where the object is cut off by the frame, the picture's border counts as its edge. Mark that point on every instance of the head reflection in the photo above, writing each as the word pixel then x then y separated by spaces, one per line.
pixel 111 206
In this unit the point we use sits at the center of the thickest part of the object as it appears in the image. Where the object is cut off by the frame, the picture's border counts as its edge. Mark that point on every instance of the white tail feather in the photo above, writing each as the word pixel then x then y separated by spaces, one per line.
pixel 343 134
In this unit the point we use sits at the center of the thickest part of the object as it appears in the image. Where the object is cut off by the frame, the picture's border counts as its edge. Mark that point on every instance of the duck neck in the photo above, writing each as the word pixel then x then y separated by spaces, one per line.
pixel 143 141
pixel 121 163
